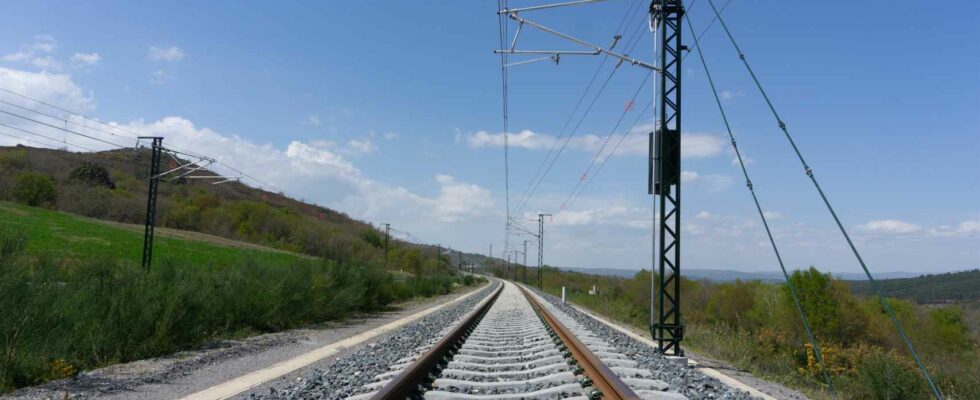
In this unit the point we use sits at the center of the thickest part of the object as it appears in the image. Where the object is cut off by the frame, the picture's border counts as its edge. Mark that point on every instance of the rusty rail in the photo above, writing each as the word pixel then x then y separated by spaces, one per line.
pixel 407 383
pixel 603 378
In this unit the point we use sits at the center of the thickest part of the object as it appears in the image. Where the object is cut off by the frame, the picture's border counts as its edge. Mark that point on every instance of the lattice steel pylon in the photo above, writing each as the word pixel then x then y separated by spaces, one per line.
pixel 664 173
pixel 151 199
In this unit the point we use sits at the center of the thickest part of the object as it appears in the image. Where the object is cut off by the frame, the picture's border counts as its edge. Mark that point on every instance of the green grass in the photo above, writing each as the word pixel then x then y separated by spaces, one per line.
pixel 65 236
pixel 75 298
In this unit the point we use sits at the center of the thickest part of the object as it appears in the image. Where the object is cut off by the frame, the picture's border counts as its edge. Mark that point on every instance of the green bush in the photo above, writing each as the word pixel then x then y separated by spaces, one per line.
pixel 91 174
pixel 35 189
pixel 58 320
pixel 886 376
pixel 834 313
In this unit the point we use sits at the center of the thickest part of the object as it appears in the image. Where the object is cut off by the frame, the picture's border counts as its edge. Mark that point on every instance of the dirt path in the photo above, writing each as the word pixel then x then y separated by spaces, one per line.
pixel 189 372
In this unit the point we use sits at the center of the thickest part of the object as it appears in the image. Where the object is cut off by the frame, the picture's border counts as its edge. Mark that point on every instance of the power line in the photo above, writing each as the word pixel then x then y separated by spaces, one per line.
pixel 612 132
pixel 809 173
pixel 66 110
pixel 503 30
pixel 571 199
pixel 534 184
pixel 46 137
pixel 60 119
pixel 591 178
pixel 119 128
pixel 63 129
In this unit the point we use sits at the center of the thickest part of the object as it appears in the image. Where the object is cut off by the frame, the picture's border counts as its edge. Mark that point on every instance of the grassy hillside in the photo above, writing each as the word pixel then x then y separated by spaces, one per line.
pixel 59 235
pixel 939 288
pixel 234 261
pixel 111 186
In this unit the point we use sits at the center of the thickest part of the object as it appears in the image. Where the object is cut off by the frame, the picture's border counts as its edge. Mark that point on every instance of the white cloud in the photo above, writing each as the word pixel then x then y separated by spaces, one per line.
pixel 726 95
pixel 82 60
pixel 615 215
pixel 52 88
pixel 703 215
pixel 746 160
pixel 890 227
pixel 964 228
pixel 459 201
pixel 312 120
pixel 391 135
pixel 361 146
pixel 969 227
pixel 693 145
pixel 160 77
pixel 689 176
pixel 773 215
pixel 44 43
pixel 170 54
pixel 318 171
pixel 36 54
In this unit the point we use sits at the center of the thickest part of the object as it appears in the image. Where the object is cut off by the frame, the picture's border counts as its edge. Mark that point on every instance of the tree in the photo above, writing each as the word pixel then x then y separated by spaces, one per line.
pixel 833 312
pixel 35 189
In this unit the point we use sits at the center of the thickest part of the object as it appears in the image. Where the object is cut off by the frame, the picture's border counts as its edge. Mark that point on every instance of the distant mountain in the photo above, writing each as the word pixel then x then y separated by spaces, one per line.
pixel 938 288
pixel 728 275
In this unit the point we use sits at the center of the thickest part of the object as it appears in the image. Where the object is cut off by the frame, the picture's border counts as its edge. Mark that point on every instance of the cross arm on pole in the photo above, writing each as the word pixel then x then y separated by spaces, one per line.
pixel 512 14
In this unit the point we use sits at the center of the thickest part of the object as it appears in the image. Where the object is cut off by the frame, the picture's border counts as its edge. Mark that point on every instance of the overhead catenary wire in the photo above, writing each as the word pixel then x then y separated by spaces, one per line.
pixel 809 173
pixel 574 196
pixel 135 135
pixel 64 129
pixel 502 25
pixel 612 132
pixel 43 136
pixel 62 119
pixel 762 215
pixel 578 103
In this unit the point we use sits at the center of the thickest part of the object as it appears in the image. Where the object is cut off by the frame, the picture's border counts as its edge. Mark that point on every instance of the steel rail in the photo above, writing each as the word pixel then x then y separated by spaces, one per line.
pixel 603 378
pixel 419 372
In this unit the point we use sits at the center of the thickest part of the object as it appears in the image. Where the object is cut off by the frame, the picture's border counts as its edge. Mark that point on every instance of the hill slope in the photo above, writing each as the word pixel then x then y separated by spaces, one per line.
pixel 940 288
pixel 112 185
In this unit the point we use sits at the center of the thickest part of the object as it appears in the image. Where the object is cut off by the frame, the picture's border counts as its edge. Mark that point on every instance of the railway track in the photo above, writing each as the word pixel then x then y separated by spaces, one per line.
pixel 514 345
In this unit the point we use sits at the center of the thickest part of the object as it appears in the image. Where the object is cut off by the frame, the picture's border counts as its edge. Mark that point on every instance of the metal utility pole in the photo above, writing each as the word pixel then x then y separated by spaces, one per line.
pixel 387 235
pixel 541 247
pixel 151 199
pixel 524 266
pixel 459 262
pixel 664 174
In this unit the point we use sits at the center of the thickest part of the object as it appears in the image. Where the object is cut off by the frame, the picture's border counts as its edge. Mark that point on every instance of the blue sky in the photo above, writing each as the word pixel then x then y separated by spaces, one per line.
pixel 390 111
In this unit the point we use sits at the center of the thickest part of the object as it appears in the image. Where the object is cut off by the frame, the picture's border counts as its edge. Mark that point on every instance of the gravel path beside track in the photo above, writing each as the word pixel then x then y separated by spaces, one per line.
pixel 346 375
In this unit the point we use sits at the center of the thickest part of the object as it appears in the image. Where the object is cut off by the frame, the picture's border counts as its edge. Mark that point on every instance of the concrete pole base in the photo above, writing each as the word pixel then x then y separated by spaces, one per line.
pixel 678 360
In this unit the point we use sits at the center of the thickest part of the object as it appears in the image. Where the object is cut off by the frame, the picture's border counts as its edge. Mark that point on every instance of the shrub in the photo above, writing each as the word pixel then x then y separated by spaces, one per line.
pixel 91 174
pixel 14 159
pixel 731 303
pixel 35 189
pixel 887 376
pixel 57 321
pixel 833 312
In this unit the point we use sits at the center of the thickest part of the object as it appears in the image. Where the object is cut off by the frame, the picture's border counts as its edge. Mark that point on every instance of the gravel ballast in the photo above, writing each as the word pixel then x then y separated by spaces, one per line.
pixel 685 380
pixel 347 375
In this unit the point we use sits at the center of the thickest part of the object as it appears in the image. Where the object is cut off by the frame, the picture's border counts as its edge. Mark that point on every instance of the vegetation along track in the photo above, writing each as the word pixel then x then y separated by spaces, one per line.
pixel 513 347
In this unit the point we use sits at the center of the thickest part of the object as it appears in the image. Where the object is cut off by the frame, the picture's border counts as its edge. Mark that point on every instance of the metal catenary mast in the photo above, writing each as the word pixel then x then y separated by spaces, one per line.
pixel 664 149
pixel 665 175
